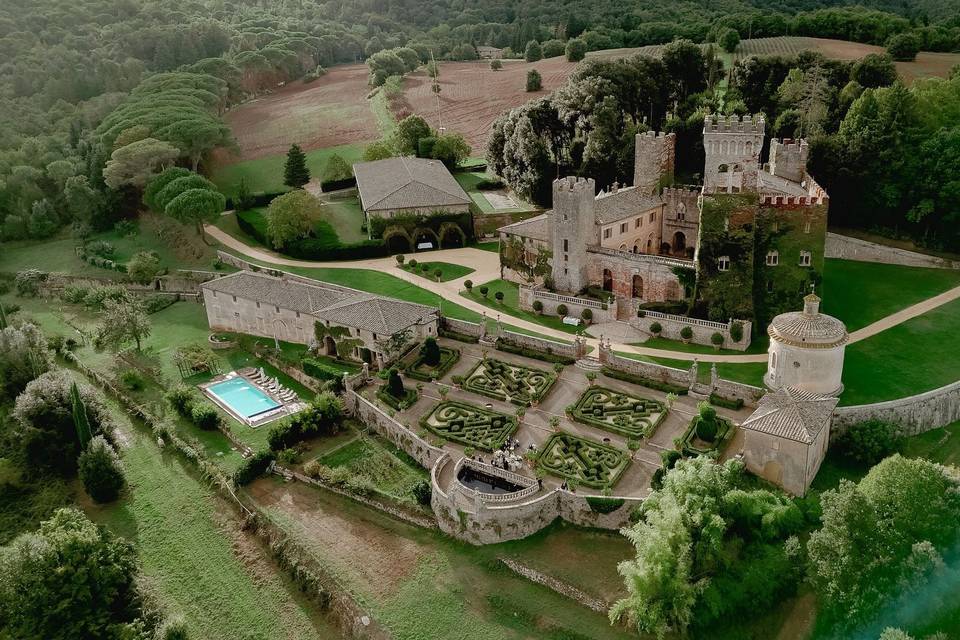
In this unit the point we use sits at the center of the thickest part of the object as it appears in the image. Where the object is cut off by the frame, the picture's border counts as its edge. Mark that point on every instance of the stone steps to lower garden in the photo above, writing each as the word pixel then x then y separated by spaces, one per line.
pixel 589 364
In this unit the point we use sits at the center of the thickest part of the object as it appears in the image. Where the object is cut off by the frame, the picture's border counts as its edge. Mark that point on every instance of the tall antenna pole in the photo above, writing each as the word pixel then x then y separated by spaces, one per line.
pixel 435 87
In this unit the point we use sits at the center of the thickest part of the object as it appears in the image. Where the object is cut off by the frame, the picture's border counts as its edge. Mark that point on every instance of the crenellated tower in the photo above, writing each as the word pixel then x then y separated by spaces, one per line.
pixel 653 163
pixel 788 159
pixel 574 227
pixel 732 148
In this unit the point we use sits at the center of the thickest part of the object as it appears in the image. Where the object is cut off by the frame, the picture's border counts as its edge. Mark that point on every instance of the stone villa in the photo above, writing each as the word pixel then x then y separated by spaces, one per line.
pixel 752 235
pixel 407 185
pixel 288 308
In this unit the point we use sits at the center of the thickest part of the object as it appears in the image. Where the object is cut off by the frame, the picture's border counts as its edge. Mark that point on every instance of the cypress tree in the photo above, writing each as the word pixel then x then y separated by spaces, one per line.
pixel 295 171
pixel 3 318
pixel 395 384
pixel 80 419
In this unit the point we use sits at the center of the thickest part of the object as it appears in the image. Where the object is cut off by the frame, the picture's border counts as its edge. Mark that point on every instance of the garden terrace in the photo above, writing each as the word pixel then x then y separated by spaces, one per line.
pixel 470 425
pixel 509 382
pixel 410 397
pixel 417 368
pixel 621 413
pixel 589 463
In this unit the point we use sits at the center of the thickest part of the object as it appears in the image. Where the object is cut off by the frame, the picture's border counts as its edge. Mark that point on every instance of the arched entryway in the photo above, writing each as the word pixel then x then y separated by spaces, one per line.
pixel 607 280
pixel 679 243
pixel 329 346
pixel 637 287
pixel 636 249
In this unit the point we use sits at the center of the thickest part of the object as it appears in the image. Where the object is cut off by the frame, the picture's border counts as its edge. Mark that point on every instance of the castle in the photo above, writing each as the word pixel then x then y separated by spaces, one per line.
pixel 746 244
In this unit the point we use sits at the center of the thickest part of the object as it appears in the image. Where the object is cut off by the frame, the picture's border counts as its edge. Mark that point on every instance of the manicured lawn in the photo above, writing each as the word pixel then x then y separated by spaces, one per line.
pixel 941 445
pixel 758 345
pixel 511 305
pixel 200 568
pixel 345 216
pixel 469 180
pixel 746 372
pixel 265 175
pixel 493 247
pixel 450 271
pixel 907 359
pixel 860 293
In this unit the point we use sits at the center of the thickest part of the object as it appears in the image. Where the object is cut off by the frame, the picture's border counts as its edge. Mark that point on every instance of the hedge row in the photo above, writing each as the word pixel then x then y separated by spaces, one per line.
pixel 318 248
pixel 651 383
pixel 508 347
pixel 259 199
pixel 410 396
pixel 604 505
pixel 456 335
pixel 252 468
pixel 448 358
pixel 320 370
pixel 726 403
pixel 336 185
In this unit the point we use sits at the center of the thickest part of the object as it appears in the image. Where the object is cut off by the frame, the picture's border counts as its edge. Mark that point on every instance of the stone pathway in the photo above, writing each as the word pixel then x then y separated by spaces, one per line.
pixel 486 266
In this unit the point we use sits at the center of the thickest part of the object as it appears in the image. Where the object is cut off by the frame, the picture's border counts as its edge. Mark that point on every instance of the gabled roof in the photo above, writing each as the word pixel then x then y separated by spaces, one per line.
pixel 281 292
pixel 406 183
pixel 344 307
pixel 793 414
pixel 537 227
pixel 382 316
pixel 624 203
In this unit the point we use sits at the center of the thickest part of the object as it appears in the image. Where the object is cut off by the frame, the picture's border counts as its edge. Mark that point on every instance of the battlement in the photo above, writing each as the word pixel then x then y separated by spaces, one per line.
pixel 656 134
pixel 789 144
pixel 574 184
pixel 788 158
pixel 681 191
pixel 795 201
pixel 733 124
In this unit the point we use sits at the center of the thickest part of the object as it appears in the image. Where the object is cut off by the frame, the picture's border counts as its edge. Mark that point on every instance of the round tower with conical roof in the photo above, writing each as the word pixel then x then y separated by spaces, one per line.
pixel 806 350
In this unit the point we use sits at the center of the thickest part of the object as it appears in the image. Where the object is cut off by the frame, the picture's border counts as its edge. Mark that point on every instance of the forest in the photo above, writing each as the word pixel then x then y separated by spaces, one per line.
pixel 83 82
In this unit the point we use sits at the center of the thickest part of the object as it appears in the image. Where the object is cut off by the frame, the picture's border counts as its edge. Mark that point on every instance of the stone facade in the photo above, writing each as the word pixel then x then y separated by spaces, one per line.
pixel 655 154
pixel 732 153
pixel 635 277
pixel 573 221
pixel 847 248
pixel 915 414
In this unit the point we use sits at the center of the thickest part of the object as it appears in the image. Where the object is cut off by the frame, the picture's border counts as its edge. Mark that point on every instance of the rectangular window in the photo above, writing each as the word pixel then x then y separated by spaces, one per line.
pixel 636 224
pixel 234 298
pixel 214 293
pixel 773 258
pixel 723 263
pixel 805 259
pixel 565 258
pixel 606 233
pixel 806 226
pixel 623 227
pixel 277 309
pixel 652 216
pixel 298 314
pixel 258 305
pixel 775 227
pixel 566 244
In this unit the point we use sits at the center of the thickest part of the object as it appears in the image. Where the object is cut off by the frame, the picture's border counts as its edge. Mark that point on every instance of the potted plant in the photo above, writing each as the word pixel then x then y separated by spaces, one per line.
pixel 655 328
pixel 587 316
pixel 468 285
pixel 736 331
pixel 400 258
pixel 686 333
pixel 562 310
pixel 716 340
pixel 555 423
pixel 499 296
pixel 591 377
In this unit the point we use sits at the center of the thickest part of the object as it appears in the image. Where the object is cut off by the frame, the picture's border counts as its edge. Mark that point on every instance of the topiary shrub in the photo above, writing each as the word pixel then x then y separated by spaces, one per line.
pixel 100 470
pixel 736 331
pixel 655 328
pixel 499 296
pixel 706 430
pixel 395 384
pixel 538 306
pixel 413 263
pixel 686 333
pixel 484 290
pixel 587 315
pixel 430 352
pixel 400 258
pixel 468 285
pixel 716 339
pixel 562 310
pixel 437 273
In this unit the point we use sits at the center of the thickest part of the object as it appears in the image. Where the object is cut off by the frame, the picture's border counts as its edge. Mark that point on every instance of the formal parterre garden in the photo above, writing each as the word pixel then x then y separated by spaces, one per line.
pixel 470 425
pixel 618 412
pixel 588 463
pixel 509 382
pixel 707 433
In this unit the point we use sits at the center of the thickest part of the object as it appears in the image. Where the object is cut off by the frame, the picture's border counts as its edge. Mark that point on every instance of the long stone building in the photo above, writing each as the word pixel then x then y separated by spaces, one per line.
pixel 357 325
pixel 751 235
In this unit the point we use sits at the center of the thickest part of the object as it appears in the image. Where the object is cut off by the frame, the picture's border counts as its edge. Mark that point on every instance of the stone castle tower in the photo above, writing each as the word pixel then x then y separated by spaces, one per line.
pixel 732 148
pixel 573 228
pixel 788 159
pixel 653 160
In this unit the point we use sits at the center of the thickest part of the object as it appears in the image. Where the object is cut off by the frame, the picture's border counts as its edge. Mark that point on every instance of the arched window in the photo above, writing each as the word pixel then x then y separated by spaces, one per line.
pixel 637 287
pixel 723 168
pixel 679 243
pixel 607 280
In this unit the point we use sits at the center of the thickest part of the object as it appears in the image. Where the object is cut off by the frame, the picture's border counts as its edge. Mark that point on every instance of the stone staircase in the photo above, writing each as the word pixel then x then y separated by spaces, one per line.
pixel 589 364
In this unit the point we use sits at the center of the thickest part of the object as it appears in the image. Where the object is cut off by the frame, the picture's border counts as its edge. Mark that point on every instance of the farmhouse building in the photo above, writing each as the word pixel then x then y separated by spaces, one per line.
pixel 356 325
pixel 408 185
pixel 636 242
pixel 786 437
pixel 485 52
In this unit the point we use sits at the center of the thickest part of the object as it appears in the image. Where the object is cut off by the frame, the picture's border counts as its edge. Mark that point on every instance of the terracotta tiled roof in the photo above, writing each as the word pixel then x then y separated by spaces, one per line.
pixel 792 414
pixel 406 183
pixel 624 203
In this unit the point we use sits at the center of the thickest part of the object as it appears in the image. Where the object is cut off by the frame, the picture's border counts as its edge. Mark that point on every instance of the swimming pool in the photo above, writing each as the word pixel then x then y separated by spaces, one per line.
pixel 241 397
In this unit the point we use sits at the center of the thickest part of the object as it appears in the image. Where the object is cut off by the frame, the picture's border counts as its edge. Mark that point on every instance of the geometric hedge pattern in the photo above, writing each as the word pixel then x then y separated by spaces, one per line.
pixel 591 464
pixel 420 370
pixel 619 412
pixel 469 425
pixel 504 381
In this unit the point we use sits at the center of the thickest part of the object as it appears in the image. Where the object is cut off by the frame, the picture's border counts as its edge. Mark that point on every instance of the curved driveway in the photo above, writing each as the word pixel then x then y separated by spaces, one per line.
pixel 486 266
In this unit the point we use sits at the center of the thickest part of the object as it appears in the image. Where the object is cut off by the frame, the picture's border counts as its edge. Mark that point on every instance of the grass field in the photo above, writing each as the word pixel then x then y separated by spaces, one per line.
pixel 469 180
pixel 194 556
pixel 344 214
pixel 450 271
pixel 493 246
pixel 860 293
pixel 265 175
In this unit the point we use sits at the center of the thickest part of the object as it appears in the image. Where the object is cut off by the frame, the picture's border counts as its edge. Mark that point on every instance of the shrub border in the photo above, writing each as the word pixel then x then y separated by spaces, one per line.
pixel 579 479
pixel 511 422
pixel 551 380
pixel 579 416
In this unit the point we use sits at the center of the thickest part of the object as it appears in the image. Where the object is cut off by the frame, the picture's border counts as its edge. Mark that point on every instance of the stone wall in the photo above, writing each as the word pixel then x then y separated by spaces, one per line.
pixel 419 449
pixel 462 326
pixel 733 390
pixel 648 369
pixel 915 414
pixel 540 344
pixel 650 277
pixel 847 248
pixel 654 154
pixel 602 312
pixel 703 330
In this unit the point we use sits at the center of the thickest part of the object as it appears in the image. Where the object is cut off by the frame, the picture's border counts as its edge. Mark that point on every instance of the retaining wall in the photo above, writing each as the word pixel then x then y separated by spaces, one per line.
pixel 462 326
pixel 703 330
pixel 915 414
pixel 847 248
pixel 649 370
pixel 602 312
pixel 419 449
pixel 540 344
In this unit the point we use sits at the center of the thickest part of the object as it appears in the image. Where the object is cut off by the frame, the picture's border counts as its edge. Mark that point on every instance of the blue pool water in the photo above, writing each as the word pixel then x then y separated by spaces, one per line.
pixel 242 397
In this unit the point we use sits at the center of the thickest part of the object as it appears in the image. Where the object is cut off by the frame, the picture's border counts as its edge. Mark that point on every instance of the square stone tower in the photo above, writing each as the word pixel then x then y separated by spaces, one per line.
pixel 788 159
pixel 732 149
pixel 653 163
pixel 574 226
